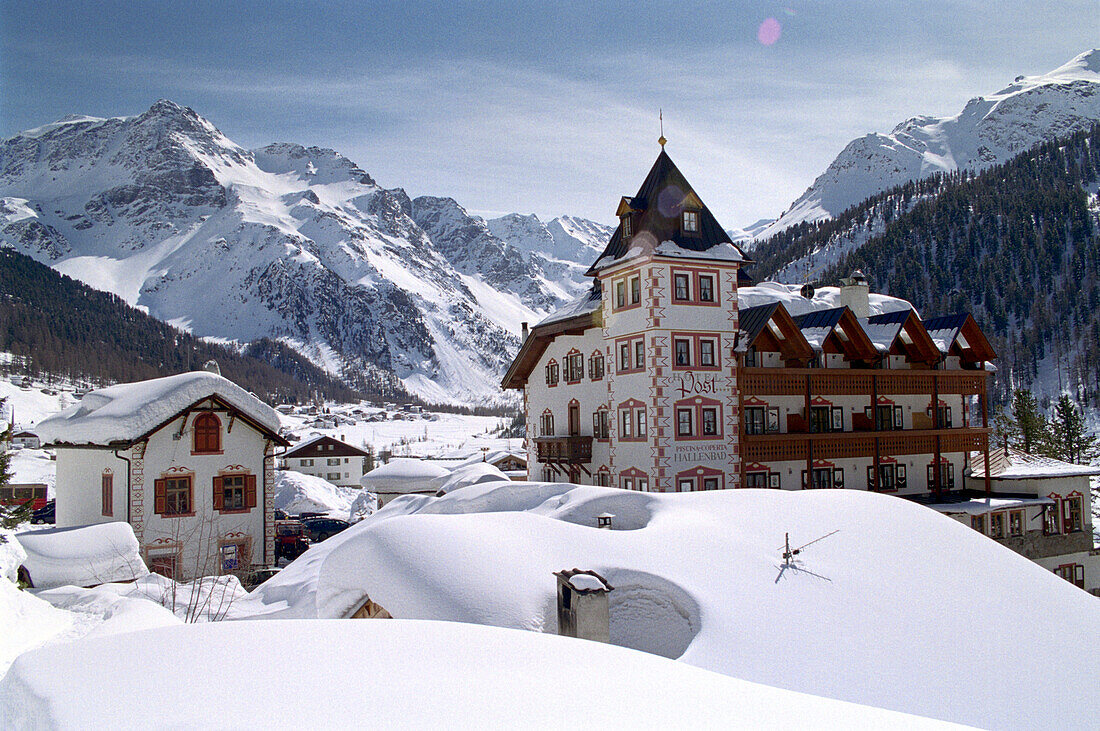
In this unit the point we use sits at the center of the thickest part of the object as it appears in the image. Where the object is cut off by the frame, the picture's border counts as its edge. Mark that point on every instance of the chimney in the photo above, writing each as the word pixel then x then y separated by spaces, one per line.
pixel 211 366
pixel 583 607
pixel 855 294
pixel 524 326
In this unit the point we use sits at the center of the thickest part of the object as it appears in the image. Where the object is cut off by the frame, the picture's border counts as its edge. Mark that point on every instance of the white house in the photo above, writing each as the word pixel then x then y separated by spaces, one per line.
pixel 328 458
pixel 188 461
pixel 26 439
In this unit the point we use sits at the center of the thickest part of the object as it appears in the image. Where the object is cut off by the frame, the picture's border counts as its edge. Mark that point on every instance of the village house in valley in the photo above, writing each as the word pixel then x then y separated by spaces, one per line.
pixel 677 373
pixel 328 458
pixel 186 460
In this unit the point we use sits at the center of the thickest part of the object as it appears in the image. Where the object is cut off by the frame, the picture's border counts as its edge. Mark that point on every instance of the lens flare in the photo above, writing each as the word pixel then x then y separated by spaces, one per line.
pixel 670 201
pixel 768 32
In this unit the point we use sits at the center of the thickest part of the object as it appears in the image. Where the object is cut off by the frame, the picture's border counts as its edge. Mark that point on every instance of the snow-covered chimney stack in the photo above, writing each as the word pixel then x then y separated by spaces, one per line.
pixel 211 366
pixel 854 294
pixel 524 327
pixel 583 606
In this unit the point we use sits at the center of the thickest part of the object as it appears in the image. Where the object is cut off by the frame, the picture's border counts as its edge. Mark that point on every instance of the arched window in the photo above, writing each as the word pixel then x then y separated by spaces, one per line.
pixel 208 434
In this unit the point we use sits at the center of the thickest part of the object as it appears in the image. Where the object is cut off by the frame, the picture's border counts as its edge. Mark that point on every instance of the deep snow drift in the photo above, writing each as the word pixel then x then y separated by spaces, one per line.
pixel 901 608
pixel 362 673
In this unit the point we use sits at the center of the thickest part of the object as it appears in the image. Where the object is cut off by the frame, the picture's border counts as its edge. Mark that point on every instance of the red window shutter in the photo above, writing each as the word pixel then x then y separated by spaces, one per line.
pixel 219 494
pixel 250 491
pixel 159 496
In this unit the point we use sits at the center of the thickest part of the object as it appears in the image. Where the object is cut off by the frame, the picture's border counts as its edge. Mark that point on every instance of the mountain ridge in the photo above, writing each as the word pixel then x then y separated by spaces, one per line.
pixel 301 245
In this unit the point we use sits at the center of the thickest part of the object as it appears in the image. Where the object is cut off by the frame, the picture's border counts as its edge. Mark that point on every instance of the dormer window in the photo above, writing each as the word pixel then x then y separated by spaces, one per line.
pixel 691 222
pixel 627 231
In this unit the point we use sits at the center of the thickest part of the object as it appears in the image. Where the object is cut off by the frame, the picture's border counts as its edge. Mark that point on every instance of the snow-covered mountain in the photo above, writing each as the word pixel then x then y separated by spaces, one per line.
pixel 989 130
pixel 288 242
pixel 564 248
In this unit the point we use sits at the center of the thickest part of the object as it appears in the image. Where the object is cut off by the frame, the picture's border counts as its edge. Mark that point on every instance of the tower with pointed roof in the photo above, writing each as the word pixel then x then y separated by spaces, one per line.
pixel 657 335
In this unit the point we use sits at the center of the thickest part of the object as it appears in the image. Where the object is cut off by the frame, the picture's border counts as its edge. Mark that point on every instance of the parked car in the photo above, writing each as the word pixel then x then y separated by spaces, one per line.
pixel 258 576
pixel 45 514
pixel 320 529
pixel 291 539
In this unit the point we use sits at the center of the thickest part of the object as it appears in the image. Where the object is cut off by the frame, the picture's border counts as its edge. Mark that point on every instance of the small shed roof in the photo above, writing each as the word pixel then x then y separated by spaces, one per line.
pixel 403 475
pixel 82 556
pixel 1015 464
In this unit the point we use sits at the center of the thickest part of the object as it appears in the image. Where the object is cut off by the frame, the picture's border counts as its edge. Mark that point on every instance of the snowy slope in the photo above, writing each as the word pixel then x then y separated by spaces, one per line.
pixel 989 130
pixel 900 608
pixel 362 673
pixel 297 244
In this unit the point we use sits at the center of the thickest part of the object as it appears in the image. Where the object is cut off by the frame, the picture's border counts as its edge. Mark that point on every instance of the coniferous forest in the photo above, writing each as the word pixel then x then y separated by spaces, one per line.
pixel 1018 246
pixel 57 326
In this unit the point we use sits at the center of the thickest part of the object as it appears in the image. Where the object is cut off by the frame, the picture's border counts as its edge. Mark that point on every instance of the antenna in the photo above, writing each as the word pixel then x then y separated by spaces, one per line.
pixel 788 553
pixel 661 116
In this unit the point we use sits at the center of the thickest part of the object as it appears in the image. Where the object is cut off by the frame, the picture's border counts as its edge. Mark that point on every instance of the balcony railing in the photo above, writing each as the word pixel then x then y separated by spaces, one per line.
pixel 859 382
pixel 842 445
pixel 570 450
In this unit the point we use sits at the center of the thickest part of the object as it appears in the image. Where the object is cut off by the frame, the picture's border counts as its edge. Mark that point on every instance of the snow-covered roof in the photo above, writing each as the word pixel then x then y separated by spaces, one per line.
pixel 586 304
pixel 469 474
pixel 718 252
pixel 494 456
pixel 1015 464
pixel 403 475
pixel 825 298
pixel 82 556
pixel 511 679
pixel 129 411
pixel 981 506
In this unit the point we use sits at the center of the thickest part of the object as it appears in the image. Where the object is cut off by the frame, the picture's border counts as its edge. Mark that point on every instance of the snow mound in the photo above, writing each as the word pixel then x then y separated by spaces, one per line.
pixel 27 622
pixel 112 608
pixel 296 492
pixel 700 577
pixel 471 474
pixel 510 680
pixel 128 411
pixel 82 556
pixel 12 555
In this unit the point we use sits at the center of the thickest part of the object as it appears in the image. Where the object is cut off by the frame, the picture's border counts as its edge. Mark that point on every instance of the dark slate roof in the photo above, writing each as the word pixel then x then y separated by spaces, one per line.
pixel 820 318
pixel 946 322
pixel 320 447
pixel 753 319
pixel 660 200
pixel 889 318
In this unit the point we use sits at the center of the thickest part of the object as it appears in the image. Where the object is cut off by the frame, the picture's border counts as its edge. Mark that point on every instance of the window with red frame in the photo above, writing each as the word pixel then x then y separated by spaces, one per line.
pixel 600 424
pixel 107 483
pixel 574 367
pixel 552 373
pixel 1071 514
pixel 208 434
pixel 595 366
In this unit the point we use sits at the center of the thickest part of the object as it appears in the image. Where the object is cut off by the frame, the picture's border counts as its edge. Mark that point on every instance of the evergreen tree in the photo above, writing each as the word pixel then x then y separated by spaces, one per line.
pixel 1069 439
pixel 1033 432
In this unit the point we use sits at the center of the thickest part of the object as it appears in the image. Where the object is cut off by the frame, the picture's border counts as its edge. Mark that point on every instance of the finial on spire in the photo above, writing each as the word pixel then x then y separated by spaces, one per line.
pixel 661 116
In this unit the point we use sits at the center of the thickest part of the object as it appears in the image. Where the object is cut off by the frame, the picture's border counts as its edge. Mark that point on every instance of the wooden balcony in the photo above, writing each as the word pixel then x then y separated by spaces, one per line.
pixel 859 382
pixel 846 445
pixel 564 450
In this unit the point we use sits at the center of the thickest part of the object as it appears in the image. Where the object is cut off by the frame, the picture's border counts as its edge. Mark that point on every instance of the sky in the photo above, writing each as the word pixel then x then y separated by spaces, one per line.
pixel 548 108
